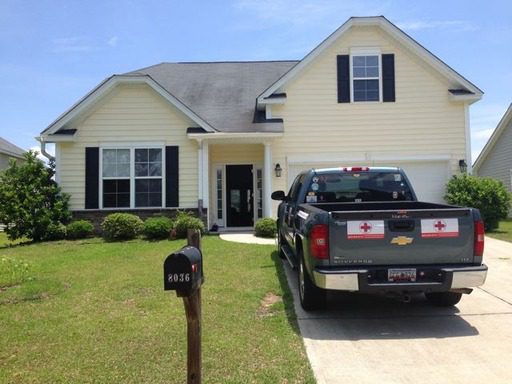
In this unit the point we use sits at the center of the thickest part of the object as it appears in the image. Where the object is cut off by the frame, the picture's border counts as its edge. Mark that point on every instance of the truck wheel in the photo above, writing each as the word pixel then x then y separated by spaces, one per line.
pixel 443 299
pixel 279 246
pixel 311 297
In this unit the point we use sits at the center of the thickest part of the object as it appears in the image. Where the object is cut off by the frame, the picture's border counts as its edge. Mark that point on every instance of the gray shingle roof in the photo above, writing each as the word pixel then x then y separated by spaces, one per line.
pixel 222 93
pixel 10 149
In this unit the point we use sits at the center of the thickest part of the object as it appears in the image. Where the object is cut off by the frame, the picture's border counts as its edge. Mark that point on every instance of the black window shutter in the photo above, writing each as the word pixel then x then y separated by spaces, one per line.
pixel 172 176
pixel 343 67
pixel 388 78
pixel 92 169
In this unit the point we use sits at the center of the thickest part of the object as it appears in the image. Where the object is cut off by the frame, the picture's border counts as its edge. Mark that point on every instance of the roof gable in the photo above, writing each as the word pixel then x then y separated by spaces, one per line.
pixel 468 90
pixel 504 124
pixel 10 149
pixel 62 126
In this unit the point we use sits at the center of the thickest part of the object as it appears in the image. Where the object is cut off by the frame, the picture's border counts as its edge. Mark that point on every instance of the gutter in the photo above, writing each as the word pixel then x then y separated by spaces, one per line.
pixel 43 149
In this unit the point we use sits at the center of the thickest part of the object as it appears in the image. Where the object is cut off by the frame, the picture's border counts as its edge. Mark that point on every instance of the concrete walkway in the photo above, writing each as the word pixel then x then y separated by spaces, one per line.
pixel 247 238
pixel 369 339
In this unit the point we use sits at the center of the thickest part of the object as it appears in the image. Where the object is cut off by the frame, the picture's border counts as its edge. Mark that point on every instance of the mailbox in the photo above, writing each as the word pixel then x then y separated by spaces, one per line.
pixel 183 271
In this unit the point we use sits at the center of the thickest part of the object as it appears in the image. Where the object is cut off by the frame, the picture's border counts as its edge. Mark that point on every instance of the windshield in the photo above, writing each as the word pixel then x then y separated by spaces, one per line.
pixel 357 187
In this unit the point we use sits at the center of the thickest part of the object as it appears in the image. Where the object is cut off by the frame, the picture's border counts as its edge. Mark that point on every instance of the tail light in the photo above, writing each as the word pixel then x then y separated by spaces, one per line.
pixel 479 238
pixel 356 169
pixel 319 241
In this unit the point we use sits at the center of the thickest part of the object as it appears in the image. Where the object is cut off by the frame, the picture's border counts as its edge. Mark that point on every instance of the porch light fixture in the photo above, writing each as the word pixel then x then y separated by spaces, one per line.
pixel 278 170
pixel 463 166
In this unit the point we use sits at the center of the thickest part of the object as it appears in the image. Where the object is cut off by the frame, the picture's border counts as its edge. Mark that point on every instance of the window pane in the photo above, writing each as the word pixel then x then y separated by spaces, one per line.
pixel 109 156
pixel 359 72
pixel 155 155
pixel 372 72
pixel 372 61
pixel 123 170
pixel 155 169
pixel 109 170
pixel 155 200
pixel 148 193
pixel 372 85
pixel 155 185
pixel 141 169
pixel 123 156
pixel 141 155
pixel 359 61
pixel 116 193
pixel 366 90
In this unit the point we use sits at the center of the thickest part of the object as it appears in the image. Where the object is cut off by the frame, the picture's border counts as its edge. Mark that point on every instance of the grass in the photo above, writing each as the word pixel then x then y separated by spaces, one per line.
pixel 504 231
pixel 96 312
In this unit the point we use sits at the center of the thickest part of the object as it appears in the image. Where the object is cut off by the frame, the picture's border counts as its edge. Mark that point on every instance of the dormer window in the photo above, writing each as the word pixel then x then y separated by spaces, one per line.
pixel 365 77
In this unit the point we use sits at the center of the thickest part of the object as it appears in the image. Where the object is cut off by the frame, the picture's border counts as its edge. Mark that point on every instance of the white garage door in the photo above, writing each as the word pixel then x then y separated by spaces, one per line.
pixel 428 178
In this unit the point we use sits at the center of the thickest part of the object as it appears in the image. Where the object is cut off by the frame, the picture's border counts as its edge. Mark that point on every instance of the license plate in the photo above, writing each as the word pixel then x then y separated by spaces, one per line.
pixel 401 275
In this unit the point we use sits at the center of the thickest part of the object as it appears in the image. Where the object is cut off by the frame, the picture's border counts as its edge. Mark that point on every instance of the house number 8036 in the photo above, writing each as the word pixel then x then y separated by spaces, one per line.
pixel 178 277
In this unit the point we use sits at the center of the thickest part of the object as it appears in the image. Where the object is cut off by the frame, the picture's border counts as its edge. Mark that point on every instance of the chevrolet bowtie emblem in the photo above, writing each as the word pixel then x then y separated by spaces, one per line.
pixel 402 240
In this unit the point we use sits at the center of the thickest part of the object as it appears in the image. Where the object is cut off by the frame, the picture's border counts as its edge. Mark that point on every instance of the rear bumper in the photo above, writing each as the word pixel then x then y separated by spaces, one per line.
pixel 363 280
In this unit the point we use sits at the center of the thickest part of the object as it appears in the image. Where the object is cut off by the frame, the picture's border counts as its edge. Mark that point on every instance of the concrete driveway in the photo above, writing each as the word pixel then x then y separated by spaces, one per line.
pixel 364 339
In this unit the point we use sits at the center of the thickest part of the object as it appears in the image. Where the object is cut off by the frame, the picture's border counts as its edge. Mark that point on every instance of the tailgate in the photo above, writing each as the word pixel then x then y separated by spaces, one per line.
pixel 432 236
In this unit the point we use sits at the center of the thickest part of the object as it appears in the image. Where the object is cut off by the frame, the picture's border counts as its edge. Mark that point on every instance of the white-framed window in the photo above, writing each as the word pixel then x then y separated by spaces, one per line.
pixel 132 177
pixel 365 74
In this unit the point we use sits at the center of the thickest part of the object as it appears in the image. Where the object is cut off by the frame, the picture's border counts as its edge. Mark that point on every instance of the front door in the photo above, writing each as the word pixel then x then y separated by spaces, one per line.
pixel 239 196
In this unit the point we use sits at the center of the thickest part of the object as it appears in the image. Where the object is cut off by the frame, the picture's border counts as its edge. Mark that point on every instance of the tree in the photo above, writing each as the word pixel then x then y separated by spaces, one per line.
pixel 31 202
pixel 488 195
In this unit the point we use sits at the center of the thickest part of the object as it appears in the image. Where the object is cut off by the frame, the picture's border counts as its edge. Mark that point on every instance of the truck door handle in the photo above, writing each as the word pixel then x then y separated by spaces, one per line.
pixel 401 225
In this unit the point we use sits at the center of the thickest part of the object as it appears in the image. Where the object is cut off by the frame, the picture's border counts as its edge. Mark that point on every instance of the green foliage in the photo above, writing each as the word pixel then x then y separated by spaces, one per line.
pixel 80 229
pixel 12 272
pixel 265 227
pixel 157 227
pixel 185 221
pixel 121 226
pixel 55 231
pixel 30 200
pixel 488 195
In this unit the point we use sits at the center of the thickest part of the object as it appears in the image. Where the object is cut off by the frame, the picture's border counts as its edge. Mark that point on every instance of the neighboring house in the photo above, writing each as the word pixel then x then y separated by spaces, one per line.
pixel 495 160
pixel 211 135
pixel 9 151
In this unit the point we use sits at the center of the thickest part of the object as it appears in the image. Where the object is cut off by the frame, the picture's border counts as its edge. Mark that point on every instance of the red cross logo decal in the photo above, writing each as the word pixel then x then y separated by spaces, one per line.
pixel 365 227
pixel 440 226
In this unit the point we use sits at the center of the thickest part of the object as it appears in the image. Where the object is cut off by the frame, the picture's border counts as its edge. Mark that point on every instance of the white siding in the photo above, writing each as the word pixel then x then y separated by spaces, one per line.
pixel 131 115
pixel 423 122
pixel 498 163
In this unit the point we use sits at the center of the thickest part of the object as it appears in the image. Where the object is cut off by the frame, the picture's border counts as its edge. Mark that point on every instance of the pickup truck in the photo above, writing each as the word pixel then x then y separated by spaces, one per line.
pixel 362 229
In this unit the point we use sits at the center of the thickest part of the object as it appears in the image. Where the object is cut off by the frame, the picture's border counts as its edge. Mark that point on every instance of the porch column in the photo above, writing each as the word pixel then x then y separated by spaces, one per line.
pixel 267 180
pixel 206 172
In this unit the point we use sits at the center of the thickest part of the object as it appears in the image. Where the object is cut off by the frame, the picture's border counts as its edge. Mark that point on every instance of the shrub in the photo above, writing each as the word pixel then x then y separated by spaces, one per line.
pixel 488 195
pixel 55 231
pixel 157 227
pixel 13 272
pixel 265 227
pixel 80 229
pixel 121 226
pixel 30 200
pixel 185 221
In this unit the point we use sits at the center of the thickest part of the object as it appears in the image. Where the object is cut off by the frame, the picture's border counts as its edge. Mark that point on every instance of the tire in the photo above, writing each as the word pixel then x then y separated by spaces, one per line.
pixel 311 297
pixel 443 299
pixel 279 245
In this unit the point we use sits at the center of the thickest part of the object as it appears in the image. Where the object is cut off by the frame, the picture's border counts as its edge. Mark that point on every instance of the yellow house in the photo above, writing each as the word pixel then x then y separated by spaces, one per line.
pixel 219 137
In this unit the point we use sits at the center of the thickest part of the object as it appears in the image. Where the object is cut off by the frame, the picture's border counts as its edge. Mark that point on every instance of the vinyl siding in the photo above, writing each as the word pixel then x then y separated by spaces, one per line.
pixel 422 121
pixel 498 163
pixel 131 115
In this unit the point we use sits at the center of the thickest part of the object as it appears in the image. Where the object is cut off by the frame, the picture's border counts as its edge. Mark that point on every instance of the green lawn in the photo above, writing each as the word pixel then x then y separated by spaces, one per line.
pixel 504 231
pixel 96 312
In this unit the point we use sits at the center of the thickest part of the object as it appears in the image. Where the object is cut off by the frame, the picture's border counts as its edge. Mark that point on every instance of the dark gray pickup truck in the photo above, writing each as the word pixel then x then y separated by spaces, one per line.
pixel 361 229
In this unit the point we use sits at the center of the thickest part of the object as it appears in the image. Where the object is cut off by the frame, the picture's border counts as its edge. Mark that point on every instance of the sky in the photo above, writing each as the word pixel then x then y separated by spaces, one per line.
pixel 54 52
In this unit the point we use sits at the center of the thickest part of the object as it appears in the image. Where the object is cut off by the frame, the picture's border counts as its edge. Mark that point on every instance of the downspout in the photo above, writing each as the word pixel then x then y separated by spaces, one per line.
pixel 43 149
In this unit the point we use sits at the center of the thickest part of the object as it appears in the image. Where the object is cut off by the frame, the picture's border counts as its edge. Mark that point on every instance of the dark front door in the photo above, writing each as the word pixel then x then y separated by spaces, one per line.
pixel 239 196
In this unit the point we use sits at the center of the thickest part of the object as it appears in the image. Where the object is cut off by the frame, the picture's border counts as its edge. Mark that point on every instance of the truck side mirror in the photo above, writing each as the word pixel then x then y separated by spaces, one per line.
pixel 278 195
pixel 183 271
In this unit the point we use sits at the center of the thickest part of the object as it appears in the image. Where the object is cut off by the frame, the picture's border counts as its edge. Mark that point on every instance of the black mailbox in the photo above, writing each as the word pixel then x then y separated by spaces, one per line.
pixel 183 271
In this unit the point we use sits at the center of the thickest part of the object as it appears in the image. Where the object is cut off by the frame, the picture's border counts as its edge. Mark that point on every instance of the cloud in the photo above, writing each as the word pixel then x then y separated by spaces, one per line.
pixel 112 42
pixel 417 25
pixel 72 44
pixel 293 13
pixel 82 44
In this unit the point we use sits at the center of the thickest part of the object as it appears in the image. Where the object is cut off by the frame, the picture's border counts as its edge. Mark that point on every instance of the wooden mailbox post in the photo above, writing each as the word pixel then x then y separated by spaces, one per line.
pixel 183 273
